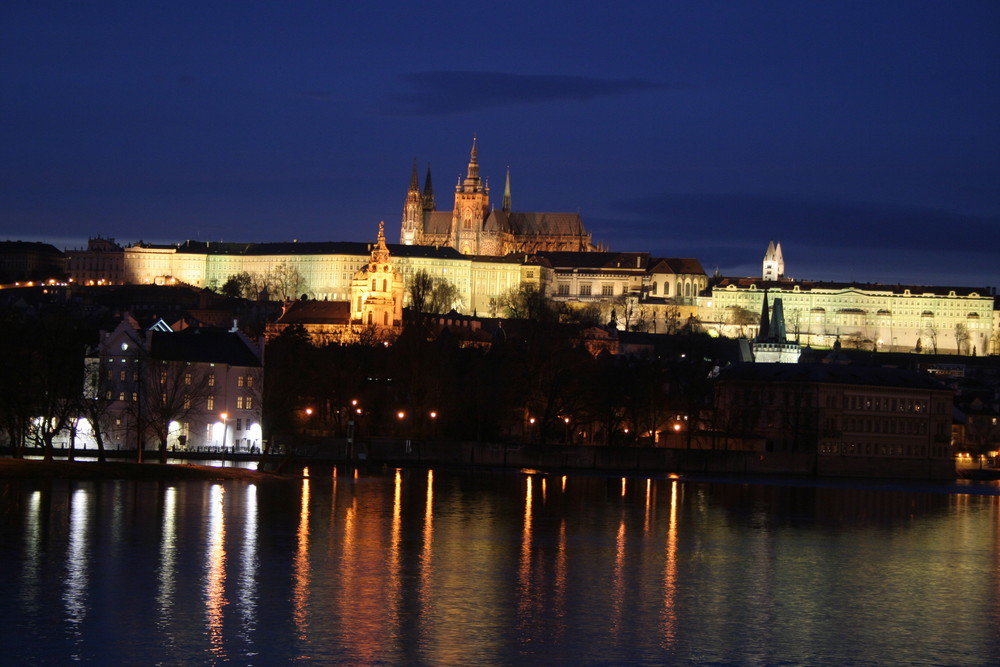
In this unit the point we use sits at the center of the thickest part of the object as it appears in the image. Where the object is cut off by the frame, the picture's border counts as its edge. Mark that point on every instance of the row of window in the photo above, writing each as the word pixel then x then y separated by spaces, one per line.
pixel 880 449
pixel 880 404
pixel 242 402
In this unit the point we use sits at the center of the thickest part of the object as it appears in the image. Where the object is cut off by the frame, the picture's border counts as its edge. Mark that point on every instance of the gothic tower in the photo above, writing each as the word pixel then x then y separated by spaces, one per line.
pixel 774 265
pixel 472 205
pixel 412 227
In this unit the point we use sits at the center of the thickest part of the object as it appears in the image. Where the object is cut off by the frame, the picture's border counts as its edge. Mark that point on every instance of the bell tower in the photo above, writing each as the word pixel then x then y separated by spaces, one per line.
pixel 774 264
pixel 472 205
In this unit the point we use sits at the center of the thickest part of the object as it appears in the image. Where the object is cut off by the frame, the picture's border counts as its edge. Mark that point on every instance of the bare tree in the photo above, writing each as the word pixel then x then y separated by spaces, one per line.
pixel 173 391
pixel 419 289
pixel 444 296
pixel 742 320
pixel 962 337
pixel 287 281
pixel 526 302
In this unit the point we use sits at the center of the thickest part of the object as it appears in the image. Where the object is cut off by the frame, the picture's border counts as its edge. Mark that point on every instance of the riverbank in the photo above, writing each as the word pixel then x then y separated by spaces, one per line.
pixel 34 469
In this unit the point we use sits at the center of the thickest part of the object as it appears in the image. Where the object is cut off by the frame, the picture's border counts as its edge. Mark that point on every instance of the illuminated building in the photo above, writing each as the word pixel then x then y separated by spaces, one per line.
pixel 472 227
pixel 375 303
pixel 891 318
pixel 202 387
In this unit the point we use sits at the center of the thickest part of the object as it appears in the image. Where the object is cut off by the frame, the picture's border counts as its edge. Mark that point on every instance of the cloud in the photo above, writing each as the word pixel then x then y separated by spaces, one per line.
pixel 738 218
pixel 457 92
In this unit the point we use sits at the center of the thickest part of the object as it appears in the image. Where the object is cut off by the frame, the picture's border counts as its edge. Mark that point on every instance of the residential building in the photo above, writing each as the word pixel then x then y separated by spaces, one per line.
pixel 200 388
pixel 856 420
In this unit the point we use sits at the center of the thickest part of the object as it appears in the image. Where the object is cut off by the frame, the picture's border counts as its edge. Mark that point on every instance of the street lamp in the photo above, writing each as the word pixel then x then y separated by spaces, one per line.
pixel 225 417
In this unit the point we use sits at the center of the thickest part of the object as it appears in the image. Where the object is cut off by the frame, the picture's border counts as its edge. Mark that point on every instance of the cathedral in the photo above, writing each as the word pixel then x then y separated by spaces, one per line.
pixel 474 227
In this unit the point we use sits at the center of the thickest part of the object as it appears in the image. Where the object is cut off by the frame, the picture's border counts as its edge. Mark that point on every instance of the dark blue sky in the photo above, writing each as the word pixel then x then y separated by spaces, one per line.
pixel 865 136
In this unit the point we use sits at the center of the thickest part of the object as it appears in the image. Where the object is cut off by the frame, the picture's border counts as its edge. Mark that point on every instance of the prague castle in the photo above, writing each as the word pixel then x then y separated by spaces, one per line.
pixel 486 253
pixel 473 227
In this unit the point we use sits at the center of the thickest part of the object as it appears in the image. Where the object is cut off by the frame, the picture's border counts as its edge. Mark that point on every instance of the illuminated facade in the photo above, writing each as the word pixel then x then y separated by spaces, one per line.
pixel 892 318
pixel 472 227
pixel 202 386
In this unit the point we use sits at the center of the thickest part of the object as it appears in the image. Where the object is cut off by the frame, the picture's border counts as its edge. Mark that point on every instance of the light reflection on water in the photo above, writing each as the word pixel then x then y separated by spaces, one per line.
pixel 424 566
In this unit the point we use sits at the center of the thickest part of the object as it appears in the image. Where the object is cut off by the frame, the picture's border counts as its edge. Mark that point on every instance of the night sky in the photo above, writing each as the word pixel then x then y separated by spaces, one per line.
pixel 865 136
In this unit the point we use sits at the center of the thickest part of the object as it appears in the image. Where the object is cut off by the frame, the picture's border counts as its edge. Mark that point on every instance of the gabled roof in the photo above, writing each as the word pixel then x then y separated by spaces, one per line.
pixel 316 312
pixel 677 265
pixel 636 261
pixel 217 346
pixel 537 224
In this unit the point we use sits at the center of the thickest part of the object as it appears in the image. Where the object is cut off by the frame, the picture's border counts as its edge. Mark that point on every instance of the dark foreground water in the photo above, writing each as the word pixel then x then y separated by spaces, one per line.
pixel 467 568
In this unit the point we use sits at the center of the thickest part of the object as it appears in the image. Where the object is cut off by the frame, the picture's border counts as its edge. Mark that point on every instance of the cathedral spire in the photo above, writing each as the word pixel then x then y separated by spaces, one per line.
pixel 414 183
pixel 428 191
pixel 506 193
pixel 472 181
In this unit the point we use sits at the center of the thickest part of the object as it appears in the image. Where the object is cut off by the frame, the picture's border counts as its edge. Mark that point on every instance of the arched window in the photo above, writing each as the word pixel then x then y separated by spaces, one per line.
pixel 371 317
pixel 385 285
pixel 666 289
pixel 373 284
pixel 385 318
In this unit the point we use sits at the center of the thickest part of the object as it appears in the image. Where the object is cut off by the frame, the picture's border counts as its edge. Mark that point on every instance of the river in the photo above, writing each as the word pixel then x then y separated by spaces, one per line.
pixel 418 566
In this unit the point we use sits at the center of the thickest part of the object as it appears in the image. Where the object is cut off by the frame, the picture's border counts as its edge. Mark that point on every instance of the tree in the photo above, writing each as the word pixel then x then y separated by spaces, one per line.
pixel 171 392
pixel 962 337
pixel 741 320
pixel 419 289
pixel 239 285
pixel 287 281
pixel 444 296
pixel 526 302
pixel 95 403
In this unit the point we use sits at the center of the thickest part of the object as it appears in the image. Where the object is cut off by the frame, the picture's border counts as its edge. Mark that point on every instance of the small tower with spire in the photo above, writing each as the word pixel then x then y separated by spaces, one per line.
pixel 505 207
pixel 428 192
pixel 412 227
pixel 774 264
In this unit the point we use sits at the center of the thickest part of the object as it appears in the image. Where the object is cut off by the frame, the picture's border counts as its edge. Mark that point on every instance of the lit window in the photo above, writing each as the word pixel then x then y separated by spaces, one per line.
pixel 211 403
pixel 239 402
pixel 239 381
pixel 187 378
pixel 249 380
pixel 249 403
pixel 211 382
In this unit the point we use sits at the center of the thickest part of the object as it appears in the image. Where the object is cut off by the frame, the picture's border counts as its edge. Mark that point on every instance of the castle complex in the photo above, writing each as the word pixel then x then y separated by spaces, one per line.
pixel 486 253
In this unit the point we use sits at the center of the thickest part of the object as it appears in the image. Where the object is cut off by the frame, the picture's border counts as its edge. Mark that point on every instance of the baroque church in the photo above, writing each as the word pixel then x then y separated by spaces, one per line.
pixel 474 227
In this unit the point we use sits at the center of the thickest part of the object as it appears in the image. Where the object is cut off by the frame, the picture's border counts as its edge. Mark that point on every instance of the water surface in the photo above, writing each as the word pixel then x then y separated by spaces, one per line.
pixel 451 567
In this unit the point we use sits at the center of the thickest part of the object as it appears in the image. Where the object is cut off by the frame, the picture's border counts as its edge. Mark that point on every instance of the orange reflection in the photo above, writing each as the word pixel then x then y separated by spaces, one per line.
pixel 670 575
pixel 215 570
pixel 300 592
pixel 649 505
pixel 618 582
pixel 426 569
pixel 623 487
pixel 524 572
